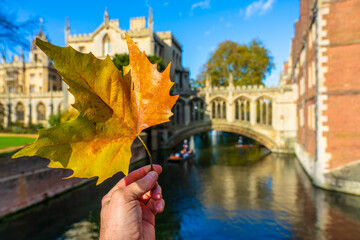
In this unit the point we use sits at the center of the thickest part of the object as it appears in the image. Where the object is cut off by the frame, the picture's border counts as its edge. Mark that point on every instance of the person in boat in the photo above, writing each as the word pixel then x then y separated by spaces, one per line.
pixel 186 151
pixel 240 140
pixel 186 145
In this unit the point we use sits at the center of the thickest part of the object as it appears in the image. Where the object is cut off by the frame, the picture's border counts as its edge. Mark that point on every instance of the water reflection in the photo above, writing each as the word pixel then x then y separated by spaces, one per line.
pixel 222 195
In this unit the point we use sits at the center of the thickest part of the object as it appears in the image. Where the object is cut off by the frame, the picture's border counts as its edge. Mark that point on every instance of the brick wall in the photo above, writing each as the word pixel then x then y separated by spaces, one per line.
pixel 343 82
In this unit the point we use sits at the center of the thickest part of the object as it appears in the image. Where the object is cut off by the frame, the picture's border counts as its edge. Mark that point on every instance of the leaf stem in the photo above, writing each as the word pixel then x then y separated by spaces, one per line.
pixel 147 150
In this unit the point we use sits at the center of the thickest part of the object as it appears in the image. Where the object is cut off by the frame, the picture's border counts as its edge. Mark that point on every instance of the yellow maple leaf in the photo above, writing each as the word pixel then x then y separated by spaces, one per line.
pixel 114 108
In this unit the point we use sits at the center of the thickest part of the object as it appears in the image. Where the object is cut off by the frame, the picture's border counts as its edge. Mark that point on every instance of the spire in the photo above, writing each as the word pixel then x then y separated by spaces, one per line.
pixel 150 19
pixel 41 35
pixel 41 23
pixel 67 24
pixel 106 16
pixel 67 30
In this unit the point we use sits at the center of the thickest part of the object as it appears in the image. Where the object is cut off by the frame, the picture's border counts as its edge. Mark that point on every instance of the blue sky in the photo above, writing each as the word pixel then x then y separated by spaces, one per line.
pixel 199 25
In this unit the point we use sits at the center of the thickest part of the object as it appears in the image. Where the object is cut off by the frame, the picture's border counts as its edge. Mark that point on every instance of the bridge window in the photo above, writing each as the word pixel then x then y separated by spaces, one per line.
pixel 214 110
pixel 20 112
pixel 41 112
pixel 196 110
pixel 264 111
pixel 224 111
pixel 2 115
pixel 242 109
pixel 218 109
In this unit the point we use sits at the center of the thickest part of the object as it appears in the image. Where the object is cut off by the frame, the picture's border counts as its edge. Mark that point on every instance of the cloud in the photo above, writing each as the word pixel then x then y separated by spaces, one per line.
pixel 228 25
pixel 207 32
pixel 203 5
pixel 259 7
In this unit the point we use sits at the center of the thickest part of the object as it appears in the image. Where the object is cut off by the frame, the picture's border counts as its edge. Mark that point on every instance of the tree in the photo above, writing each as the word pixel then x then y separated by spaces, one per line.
pixel 13 34
pixel 248 63
pixel 121 60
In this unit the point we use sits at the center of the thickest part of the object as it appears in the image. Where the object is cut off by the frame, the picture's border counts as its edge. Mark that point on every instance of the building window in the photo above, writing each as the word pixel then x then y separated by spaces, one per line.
pixel 106 45
pixel 32 77
pixel 301 117
pixel 20 112
pixel 41 111
pixel 32 88
pixel 2 115
pixel 311 116
pixel 35 57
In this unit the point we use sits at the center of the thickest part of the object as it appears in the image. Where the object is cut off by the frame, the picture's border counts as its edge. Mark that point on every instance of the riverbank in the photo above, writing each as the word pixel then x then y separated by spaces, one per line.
pixel 27 181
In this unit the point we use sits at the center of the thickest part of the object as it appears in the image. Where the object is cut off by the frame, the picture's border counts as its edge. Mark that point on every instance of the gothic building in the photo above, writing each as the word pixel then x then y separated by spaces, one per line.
pixel 109 39
pixel 31 91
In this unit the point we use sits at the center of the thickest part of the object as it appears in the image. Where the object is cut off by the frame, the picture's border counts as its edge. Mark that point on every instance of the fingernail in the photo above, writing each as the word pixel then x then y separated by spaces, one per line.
pixel 159 205
pixel 152 174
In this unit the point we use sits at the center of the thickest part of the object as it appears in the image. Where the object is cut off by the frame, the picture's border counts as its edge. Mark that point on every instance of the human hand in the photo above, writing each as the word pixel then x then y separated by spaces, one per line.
pixel 129 208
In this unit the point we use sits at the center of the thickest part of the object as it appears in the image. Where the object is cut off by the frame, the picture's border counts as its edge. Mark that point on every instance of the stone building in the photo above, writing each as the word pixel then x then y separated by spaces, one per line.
pixel 29 91
pixel 109 39
pixel 324 63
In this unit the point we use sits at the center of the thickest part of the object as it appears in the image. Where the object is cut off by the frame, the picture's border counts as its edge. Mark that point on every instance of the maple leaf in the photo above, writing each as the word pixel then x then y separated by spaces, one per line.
pixel 114 108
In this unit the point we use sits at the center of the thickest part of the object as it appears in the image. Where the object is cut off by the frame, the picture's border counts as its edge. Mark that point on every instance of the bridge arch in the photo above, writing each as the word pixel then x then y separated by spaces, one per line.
pixel 189 131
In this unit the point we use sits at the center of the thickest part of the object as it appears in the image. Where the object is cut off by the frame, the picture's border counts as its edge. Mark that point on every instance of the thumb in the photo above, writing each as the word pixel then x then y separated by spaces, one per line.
pixel 143 185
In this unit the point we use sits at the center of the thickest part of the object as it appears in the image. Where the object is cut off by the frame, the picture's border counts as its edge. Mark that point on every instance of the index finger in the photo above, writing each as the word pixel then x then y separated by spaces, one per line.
pixel 134 176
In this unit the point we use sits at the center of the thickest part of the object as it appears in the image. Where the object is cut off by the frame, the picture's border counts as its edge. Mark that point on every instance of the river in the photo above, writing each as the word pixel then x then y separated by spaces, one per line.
pixel 226 193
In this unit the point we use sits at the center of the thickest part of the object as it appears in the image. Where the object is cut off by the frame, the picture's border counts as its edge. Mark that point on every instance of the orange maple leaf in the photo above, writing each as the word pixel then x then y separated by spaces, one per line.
pixel 114 108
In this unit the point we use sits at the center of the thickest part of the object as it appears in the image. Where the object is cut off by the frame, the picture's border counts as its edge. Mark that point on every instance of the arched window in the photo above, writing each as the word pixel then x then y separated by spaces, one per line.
pixel 196 110
pixel 41 112
pixel 218 108
pixel 20 112
pixel 106 45
pixel 2 115
pixel 242 109
pixel 264 111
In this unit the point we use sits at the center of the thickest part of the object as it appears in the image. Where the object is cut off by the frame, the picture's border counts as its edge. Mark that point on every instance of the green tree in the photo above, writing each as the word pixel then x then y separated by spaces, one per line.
pixel 121 60
pixel 248 63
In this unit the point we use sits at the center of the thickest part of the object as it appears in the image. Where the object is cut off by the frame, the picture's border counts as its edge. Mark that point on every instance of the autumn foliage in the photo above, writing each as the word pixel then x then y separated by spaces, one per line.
pixel 114 107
